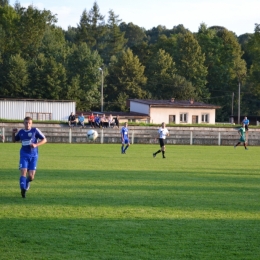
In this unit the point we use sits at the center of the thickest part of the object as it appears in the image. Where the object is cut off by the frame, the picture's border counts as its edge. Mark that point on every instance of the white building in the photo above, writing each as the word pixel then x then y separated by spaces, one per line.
pixel 43 110
pixel 175 111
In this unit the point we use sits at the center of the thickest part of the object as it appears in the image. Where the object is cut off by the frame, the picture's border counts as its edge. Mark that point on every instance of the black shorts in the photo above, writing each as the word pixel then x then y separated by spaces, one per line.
pixel 161 141
pixel 246 127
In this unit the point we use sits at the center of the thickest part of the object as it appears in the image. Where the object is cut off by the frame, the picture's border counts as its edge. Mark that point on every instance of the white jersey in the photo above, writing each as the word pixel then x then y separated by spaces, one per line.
pixel 163 132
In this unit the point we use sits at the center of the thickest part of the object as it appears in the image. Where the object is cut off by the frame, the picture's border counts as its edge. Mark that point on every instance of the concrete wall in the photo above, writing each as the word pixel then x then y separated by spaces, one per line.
pixel 142 135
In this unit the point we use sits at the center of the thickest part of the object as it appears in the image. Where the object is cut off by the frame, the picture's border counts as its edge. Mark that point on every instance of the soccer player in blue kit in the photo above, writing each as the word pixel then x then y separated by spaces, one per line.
pixel 124 138
pixel 29 152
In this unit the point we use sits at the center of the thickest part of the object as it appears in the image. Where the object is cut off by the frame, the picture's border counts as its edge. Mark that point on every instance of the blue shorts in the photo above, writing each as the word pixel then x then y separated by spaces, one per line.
pixel 126 141
pixel 28 162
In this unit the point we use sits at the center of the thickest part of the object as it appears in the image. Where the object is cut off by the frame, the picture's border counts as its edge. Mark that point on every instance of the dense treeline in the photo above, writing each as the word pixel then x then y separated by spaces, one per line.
pixel 40 60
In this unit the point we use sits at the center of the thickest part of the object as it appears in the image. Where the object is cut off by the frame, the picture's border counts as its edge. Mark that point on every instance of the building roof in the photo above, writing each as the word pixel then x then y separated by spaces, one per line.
pixel 35 100
pixel 174 103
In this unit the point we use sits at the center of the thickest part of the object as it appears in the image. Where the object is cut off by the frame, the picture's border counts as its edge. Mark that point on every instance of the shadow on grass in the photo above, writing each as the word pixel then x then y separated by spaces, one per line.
pixel 175 191
pixel 129 239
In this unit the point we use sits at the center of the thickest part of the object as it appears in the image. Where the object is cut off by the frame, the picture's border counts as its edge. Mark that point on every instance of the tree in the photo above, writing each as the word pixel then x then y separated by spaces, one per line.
pixel 190 63
pixel 48 78
pixel 92 28
pixel 8 30
pixel 83 30
pixel 16 78
pixel 252 95
pixel 53 44
pixel 83 76
pixel 31 27
pixel 115 41
pixel 134 34
pixel 224 62
pixel 71 34
pixel 4 2
pixel 163 83
pixel 126 79
pixel 155 33
pixel 137 40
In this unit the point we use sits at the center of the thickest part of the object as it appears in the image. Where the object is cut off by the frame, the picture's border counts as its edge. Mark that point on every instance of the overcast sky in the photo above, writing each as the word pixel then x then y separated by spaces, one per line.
pixel 238 16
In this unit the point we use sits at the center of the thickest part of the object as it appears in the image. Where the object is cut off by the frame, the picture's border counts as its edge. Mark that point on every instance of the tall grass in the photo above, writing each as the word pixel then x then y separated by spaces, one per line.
pixel 89 201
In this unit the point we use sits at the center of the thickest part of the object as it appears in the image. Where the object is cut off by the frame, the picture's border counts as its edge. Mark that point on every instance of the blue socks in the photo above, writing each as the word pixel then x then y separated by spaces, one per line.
pixel 126 148
pixel 28 180
pixel 23 183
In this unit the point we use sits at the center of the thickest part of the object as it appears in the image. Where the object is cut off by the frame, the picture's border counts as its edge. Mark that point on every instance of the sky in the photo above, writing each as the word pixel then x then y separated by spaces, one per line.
pixel 238 16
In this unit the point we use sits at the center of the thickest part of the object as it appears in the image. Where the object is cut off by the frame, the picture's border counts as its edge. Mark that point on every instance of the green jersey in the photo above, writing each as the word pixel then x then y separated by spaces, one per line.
pixel 242 132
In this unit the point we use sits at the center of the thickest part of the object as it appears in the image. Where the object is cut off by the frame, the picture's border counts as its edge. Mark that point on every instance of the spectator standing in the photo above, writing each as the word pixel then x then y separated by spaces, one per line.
pixel 81 119
pixel 246 123
pixel 72 120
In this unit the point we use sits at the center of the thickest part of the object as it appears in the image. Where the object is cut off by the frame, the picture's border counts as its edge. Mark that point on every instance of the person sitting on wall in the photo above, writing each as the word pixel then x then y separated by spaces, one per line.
pixel 104 122
pixel 91 120
pixel 111 121
pixel 117 121
pixel 97 121
pixel 81 119
pixel 72 120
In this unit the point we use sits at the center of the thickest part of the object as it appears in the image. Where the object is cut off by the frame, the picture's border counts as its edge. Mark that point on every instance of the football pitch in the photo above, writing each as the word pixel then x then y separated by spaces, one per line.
pixel 89 201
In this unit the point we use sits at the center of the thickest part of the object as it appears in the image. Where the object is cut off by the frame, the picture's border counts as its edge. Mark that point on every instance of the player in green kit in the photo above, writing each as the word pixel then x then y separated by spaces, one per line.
pixel 242 133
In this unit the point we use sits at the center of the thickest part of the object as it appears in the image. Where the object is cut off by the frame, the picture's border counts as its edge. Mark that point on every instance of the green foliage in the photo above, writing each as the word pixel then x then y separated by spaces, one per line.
pixel 91 28
pixel 163 83
pixel 134 34
pixel 252 87
pixel 17 78
pixel 4 2
pixel 83 76
pixel 54 45
pixel 190 63
pixel 223 58
pixel 8 21
pixel 49 78
pixel 40 60
pixel 114 38
pixel 31 28
pixel 198 203
pixel 126 78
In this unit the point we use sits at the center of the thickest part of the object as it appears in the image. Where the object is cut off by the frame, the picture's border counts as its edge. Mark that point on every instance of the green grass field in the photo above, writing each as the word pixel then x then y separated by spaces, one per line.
pixel 90 202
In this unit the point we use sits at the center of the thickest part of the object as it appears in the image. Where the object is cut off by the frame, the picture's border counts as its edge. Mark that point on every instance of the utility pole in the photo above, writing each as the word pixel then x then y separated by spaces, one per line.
pixel 232 109
pixel 238 111
pixel 102 85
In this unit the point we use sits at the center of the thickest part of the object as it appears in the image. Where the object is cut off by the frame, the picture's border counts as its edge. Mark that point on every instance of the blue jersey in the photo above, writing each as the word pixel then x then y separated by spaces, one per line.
pixel 124 133
pixel 81 118
pixel 246 121
pixel 28 137
pixel 97 120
